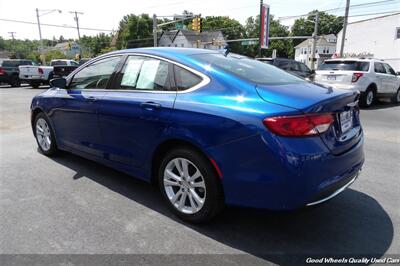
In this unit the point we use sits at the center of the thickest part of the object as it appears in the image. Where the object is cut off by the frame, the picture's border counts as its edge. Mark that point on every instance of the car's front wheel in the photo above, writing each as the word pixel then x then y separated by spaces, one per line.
pixel 44 135
pixel 190 185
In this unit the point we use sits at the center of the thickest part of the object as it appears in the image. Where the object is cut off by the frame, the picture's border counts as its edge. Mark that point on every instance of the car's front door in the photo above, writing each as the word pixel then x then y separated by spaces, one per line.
pixel 75 114
pixel 136 109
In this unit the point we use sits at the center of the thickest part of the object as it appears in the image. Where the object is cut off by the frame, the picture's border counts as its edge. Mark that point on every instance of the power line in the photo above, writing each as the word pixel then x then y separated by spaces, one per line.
pixel 377 3
pixel 52 25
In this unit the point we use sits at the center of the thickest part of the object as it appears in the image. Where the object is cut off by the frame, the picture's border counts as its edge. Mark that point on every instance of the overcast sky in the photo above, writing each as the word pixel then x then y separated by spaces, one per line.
pixel 107 14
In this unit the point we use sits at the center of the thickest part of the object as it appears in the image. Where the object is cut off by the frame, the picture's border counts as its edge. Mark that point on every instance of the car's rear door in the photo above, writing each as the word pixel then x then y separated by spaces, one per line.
pixel 135 111
pixel 75 111
pixel 392 81
pixel 381 78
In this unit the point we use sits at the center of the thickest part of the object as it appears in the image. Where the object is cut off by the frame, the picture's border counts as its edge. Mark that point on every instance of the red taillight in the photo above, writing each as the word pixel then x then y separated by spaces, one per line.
pixel 1 71
pixel 299 125
pixel 356 76
pixel 40 71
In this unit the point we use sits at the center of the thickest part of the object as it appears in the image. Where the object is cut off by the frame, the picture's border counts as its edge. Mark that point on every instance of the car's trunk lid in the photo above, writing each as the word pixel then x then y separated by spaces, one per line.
pixel 309 98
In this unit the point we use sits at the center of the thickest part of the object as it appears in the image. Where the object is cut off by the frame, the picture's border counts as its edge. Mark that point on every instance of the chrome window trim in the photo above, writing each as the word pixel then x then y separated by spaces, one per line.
pixel 204 78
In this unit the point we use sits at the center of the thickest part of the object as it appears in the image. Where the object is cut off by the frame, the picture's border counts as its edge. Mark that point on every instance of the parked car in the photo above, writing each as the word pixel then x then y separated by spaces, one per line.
pixel 291 66
pixel 62 68
pixel 210 129
pixel 9 71
pixel 37 75
pixel 373 78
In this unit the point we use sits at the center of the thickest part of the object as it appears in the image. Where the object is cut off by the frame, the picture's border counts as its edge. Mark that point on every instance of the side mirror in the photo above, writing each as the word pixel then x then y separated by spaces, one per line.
pixel 58 83
pixel 398 73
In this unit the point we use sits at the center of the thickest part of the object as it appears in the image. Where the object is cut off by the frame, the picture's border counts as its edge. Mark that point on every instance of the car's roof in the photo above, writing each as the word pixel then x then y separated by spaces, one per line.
pixel 166 51
pixel 355 59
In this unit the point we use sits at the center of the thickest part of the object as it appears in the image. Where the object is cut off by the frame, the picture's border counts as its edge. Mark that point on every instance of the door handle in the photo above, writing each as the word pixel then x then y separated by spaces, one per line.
pixel 91 99
pixel 150 105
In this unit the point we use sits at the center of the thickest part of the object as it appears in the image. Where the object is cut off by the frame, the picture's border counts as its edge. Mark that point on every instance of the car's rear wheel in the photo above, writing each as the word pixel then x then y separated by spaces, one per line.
pixel 367 98
pixel 396 97
pixel 190 185
pixel 44 135
pixel 35 84
pixel 15 81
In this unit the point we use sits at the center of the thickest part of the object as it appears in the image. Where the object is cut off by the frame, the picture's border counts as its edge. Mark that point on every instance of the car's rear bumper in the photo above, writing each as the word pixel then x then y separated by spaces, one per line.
pixel 266 172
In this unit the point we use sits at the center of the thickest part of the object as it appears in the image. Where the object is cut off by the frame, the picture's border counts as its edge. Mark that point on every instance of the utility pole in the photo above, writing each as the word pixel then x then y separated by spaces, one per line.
pixel 12 35
pixel 154 30
pixel 40 31
pixel 77 21
pixel 315 38
pixel 346 16
pixel 259 43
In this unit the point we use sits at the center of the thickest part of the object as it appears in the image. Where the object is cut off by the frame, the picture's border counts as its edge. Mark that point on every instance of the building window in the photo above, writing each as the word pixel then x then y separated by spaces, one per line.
pixel 398 33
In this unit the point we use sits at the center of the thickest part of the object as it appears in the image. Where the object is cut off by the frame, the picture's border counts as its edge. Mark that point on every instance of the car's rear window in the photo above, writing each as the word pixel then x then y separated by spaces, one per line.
pixel 248 69
pixel 344 65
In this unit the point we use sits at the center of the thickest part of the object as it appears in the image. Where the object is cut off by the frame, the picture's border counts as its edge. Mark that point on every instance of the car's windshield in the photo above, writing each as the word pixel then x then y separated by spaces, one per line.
pixel 248 69
pixel 344 65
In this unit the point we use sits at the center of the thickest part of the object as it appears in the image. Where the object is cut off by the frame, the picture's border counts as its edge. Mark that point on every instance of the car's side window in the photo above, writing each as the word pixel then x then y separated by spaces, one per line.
pixel 389 70
pixel 184 79
pixel 378 67
pixel 96 75
pixel 304 68
pixel 145 73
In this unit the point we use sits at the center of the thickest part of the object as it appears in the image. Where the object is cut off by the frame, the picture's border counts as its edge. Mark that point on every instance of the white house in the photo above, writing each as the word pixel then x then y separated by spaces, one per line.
pixel 325 48
pixel 376 37
pixel 191 39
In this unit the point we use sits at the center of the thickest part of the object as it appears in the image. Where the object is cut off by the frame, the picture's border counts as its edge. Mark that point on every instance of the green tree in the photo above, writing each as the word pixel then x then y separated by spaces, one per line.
pixel 327 24
pixel 94 45
pixel 135 31
pixel 283 47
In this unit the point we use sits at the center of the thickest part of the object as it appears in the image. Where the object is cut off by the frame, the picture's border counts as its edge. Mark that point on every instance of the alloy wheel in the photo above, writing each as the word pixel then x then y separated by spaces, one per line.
pixel 184 185
pixel 370 97
pixel 43 134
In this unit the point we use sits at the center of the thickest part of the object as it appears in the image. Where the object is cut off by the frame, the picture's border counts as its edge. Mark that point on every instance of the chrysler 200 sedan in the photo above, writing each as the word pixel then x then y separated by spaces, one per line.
pixel 209 128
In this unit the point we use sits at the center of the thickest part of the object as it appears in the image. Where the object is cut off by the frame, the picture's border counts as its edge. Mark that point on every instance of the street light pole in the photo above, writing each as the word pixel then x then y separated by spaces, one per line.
pixel 314 44
pixel 346 15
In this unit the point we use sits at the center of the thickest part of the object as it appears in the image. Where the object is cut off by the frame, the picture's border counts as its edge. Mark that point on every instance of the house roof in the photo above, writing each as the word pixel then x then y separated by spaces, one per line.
pixel 192 36
pixel 321 41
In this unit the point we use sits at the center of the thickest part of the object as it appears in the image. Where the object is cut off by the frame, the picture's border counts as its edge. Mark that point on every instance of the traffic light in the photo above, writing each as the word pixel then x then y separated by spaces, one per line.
pixel 197 24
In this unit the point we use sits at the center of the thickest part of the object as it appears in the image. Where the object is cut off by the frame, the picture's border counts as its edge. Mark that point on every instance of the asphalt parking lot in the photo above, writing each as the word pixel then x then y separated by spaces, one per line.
pixel 69 205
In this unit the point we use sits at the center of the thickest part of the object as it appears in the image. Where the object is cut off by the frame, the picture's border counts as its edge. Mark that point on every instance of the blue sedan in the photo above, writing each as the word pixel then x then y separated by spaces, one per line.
pixel 208 128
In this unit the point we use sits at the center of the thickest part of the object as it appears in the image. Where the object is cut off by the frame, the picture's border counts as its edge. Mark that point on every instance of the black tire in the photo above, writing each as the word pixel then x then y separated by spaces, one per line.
pixel 15 81
pixel 52 150
pixel 396 97
pixel 214 199
pixel 35 84
pixel 365 100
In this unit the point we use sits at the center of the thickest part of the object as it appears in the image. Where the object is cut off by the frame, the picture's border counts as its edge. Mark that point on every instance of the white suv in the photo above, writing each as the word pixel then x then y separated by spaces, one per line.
pixel 373 78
